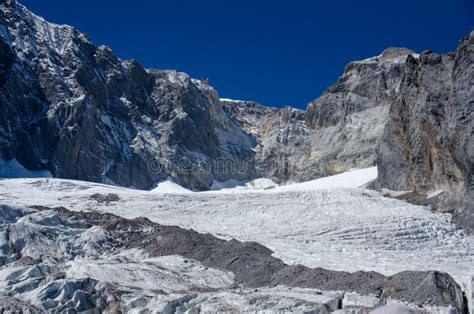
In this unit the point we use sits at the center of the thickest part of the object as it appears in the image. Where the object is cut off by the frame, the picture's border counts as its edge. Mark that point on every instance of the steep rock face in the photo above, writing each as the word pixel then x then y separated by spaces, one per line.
pixel 364 85
pixel 283 140
pixel 6 61
pixel 348 119
pixel 428 142
pixel 337 132
pixel 82 113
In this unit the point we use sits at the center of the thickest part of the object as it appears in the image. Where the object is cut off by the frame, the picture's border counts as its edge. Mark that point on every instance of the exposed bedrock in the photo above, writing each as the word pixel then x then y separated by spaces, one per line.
pixel 428 142
pixel 337 132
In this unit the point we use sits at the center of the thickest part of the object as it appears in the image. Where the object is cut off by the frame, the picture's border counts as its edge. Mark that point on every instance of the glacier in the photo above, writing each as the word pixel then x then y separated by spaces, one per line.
pixel 333 223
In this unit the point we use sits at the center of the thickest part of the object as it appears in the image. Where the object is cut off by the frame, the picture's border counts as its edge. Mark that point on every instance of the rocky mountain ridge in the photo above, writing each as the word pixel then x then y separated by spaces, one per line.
pixel 80 112
pixel 91 116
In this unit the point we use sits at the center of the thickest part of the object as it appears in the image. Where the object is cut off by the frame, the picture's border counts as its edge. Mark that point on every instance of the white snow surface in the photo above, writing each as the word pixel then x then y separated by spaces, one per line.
pixel 351 179
pixel 230 184
pixel 237 186
pixel 169 187
pixel 261 184
pixel 328 223
pixel 434 193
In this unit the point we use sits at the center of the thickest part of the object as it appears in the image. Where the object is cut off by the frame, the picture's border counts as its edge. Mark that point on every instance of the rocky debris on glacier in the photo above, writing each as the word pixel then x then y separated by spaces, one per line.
pixel 107 198
pixel 428 143
pixel 58 259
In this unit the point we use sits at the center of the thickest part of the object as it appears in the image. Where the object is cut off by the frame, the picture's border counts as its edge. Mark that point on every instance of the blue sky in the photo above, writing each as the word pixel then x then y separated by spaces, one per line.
pixel 275 52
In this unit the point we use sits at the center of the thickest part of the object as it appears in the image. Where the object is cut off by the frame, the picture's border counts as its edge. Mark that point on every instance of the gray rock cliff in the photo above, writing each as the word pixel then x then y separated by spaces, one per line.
pixel 428 142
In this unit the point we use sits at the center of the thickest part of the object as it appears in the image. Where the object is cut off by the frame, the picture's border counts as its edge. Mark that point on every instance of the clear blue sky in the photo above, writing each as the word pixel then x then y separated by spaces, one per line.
pixel 275 52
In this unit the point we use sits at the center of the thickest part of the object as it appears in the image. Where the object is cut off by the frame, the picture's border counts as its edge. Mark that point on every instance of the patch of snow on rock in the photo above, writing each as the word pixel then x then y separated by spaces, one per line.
pixel 231 100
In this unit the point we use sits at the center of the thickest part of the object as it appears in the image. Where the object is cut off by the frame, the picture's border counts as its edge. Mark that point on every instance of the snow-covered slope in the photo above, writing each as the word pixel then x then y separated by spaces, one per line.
pixel 351 179
pixel 169 187
pixel 326 223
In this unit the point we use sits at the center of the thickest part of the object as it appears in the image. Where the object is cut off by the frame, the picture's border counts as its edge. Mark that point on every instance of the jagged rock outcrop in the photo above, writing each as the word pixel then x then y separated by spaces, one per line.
pixel 428 142
pixel 348 119
pixel 365 84
pixel 82 113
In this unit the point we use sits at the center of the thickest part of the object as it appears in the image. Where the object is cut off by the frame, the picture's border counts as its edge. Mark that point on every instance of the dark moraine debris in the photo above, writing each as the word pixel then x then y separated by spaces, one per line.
pixel 105 198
